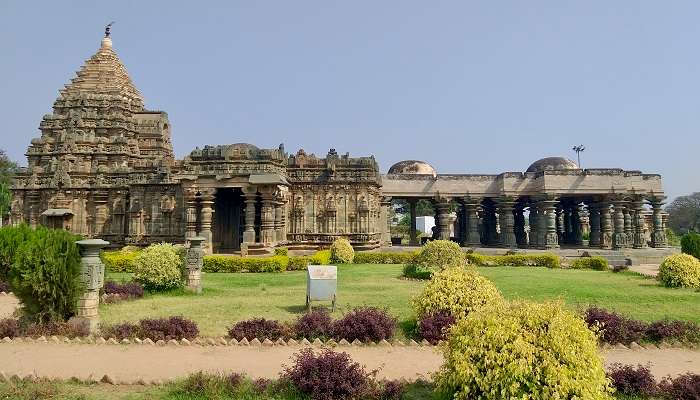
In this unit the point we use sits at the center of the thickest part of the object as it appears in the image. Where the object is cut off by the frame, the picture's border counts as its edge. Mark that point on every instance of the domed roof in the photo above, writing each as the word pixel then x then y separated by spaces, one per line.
pixel 412 167
pixel 552 164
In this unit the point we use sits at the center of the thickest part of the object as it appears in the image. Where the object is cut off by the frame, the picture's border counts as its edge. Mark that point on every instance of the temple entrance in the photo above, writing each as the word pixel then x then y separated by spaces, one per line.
pixel 229 220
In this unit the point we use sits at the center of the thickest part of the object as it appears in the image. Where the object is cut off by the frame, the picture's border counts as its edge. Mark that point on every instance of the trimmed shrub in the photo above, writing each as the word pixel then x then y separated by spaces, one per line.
pixel 630 380
pixel 683 387
pixel 613 327
pixel 299 263
pixel 11 238
pixel 680 270
pixel 438 255
pixel 596 262
pixel 71 329
pixel 548 260
pixel 411 271
pixel 46 275
pixel 362 257
pixel 281 251
pixel 435 327
pixel 168 328
pixel 9 327
pixel 690 244
pixel 314 324
pixel 342 251
pixel 119 261
pixel 217 263
pixel 158 267
pixel 522 350
pixel 455 291
pixel 125 330
pixel 260 328
pixel 365 324
pixel 327 376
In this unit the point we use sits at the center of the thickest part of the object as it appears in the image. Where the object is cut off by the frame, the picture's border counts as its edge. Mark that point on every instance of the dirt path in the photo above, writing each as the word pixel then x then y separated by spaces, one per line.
pixel 651 270
pixel 8 304
pixel 132 362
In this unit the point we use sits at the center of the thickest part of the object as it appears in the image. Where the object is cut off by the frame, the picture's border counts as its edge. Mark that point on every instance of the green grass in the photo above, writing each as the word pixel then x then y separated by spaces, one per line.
pixel 231 297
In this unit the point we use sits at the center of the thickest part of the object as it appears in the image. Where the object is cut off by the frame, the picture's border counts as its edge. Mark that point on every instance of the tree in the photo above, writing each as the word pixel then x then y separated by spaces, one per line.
pixel 684 213
pixel 8 169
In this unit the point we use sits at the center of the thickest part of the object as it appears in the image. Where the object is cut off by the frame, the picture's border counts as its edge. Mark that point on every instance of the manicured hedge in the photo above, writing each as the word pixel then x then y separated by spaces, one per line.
pixel 595 262
pixel 548 260
pixel 383 258
pixel 119 261
pixel 297 263
pixel 217 263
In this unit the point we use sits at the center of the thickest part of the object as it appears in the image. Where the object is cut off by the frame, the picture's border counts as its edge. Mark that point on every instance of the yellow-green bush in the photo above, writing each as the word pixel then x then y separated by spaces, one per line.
pixel 297 263
pixel 438 255
pixel 119 261
pixel 595 262
pixel 342 251
pixel 548 260
pixel 522 351
pixel 384 258
pixel 457 291
pixel 680 270
pixel 218 263
pixel 159 267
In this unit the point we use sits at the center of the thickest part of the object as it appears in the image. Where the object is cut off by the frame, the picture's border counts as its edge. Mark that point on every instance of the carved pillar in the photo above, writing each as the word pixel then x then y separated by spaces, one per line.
pixel 442 206
pixel 92 275
pixel 551 238
pixel 279 219
pixel 206 214
pixel 534 226
pixel 619 235
pixel 606 226
pixel 100 201
pixel 505 214
pixel 267 217
pixel 413 235
pixel 195 261
pixel 658 236
pixel 33 198
pixel 576 226
pixel 489 224
pixel 385 221
pixel 250 197
pixel 640 241
pixel 520 235
pixel 628 224
pixel 471 209
pixel 565 233
pixel 594 219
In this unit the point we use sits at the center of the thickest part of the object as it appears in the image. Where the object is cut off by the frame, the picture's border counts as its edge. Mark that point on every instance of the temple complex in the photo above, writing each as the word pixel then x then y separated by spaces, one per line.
pixel 104 167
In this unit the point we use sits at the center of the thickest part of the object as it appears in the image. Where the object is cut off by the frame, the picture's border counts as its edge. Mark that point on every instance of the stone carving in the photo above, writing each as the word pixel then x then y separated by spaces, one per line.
pixel 195 261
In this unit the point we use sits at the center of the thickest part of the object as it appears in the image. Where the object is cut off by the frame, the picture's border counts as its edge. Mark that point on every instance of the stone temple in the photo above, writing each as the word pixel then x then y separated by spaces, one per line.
pixel 104 167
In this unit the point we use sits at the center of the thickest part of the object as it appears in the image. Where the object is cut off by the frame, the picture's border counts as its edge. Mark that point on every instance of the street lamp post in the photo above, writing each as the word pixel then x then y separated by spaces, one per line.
pixel 578 149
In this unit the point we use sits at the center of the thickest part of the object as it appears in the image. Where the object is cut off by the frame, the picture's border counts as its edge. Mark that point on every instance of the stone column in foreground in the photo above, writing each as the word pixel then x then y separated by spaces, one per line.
pixel 550 216
pixel 443 210
pixel 640 241
pixel 658 236
pixel 471 209
pixel 195 261
pixel 505 213
pixel 206 218
pixel 92 273
pixel 250 196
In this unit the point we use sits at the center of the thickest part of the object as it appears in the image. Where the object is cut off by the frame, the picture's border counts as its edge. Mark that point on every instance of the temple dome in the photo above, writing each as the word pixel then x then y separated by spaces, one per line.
pixel 552 164
pixel 412 167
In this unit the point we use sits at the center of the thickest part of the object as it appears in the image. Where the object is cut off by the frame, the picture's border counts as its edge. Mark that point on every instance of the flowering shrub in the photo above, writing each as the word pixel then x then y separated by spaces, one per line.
pixel 364 324
pixel 690 244
pixel 683 387
pixel 260 328
pixel 680 270
pixel 630 380
pixel 614 327
pixel 9 327
pixel 314 324
pixel 595 262
pixel 158 267
pixel 438 255
pixel 434 327
pixel 342 251
pixel 522 350
pixel 457 292
pixel 327 376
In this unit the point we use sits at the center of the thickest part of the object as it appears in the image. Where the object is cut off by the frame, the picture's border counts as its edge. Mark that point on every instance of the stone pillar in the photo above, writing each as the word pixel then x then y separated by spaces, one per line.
pixel 534 226
pixel 550 216
pixel 195 261
pixel 576 226
pixel 267 218
pixel 658 235
pixel 520 234
pixel 92 275
pixel 567 226
pixel 442 206
pixel 594 219
pixel 640 241
pixel 250 197
pixel 413 235
pixel 471 209
pixel 190 213
pixel 628 225
pixel 279 220
pixel 206 214
pixel 489 222
pixel 505 213
pixel 606 226
pixel 619 235
pixel 385 221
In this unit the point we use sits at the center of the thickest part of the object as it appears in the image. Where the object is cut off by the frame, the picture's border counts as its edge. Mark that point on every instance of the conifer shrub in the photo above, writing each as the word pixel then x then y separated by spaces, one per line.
pixel 596 262
pixel 455 291
pixel 314 324
pixel 438 255
pixel 45 275
pixel 11 238
pixel 680 270
pixel 259 328
pixel 365 324
pixel 522 350
pixel 342 251
pixel 159 267
pixel 690 244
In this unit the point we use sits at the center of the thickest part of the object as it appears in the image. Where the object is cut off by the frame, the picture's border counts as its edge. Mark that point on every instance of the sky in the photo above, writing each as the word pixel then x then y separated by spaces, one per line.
pixel 468 86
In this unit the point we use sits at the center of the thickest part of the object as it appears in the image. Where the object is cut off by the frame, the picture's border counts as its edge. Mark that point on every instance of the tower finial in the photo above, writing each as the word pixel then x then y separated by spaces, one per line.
pixel 108 29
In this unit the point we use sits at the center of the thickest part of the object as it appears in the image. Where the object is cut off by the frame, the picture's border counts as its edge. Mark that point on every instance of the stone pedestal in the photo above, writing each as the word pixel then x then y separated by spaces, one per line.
pixel 92 275
pixel 195 261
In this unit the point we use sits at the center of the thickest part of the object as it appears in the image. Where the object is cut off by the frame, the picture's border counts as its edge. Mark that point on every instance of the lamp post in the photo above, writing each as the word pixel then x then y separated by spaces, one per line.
pixel 578 149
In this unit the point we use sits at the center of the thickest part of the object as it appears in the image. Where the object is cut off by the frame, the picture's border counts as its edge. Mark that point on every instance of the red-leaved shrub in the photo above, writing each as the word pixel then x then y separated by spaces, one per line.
pixel 673 329
pixel 9 327
pixel 125 330
pixel 615 328
pixel 168 328
pixel 314 324
pixel 364 324
pixel 683 387
pixel 123 291
pixel 327 375
pixel 4 287
pixel 434 327
pixel 260 328
pixel 70 329
pixel 630 380
pixel 391 390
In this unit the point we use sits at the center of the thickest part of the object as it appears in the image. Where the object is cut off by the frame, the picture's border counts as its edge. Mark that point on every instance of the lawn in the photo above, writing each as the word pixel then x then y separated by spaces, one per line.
pixel 231 297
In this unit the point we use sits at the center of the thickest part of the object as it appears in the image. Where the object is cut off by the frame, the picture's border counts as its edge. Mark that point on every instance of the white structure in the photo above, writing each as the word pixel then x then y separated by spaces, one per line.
pixel 425 225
